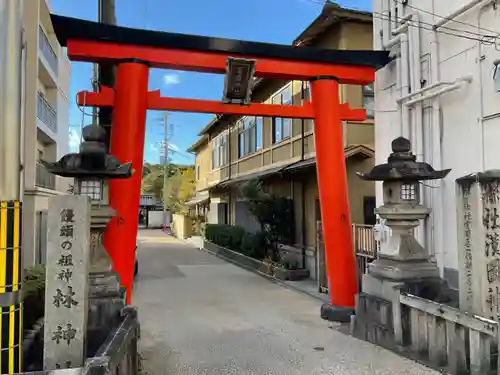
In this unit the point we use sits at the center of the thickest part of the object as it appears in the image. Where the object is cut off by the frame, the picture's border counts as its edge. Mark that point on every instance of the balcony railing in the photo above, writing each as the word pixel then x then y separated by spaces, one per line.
pixel 46 113
pixel 43 178
pixel 46 50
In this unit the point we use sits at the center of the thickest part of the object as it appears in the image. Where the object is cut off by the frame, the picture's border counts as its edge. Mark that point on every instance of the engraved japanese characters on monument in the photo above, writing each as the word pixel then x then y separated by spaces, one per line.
pixel 66 293
pixel 478 208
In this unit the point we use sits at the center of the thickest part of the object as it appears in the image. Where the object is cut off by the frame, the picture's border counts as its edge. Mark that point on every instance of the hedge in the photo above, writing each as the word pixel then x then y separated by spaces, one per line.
pixel 228 236
pixel 235 238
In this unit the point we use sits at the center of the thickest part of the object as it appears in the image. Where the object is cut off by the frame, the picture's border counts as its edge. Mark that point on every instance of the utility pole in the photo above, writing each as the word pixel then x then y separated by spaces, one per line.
pixel 165 170
pixel 106 74
pixel 11 107
pixel 95 70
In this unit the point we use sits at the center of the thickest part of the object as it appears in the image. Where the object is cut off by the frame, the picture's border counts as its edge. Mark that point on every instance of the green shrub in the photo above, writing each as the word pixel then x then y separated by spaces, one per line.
pixel 254 245
pixel 33 295
pixel 275 215
pixel 228 236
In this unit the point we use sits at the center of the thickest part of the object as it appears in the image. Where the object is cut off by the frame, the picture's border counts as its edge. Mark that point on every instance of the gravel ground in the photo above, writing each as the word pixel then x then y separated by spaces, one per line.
pixel 201 315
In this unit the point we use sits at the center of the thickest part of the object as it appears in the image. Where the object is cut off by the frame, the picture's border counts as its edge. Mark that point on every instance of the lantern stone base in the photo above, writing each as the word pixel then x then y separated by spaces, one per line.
pixel 402 271
pixel 105 304
pixel 334 313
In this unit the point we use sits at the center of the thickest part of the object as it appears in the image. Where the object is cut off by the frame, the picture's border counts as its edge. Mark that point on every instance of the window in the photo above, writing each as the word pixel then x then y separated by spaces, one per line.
pixel 368 100
pixel 249 135
pixel 282 126
pixel 259 124
pixel 306 91
pixel 409 191
pixel 197 172
pixel 220 151
pixel 92 189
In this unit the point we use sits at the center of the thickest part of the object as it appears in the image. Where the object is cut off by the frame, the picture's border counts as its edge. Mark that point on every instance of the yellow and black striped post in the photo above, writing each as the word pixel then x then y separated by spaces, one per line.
pixel 11 322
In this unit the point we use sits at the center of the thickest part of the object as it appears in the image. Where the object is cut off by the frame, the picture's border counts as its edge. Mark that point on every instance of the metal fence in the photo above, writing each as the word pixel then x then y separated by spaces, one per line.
pixel 365 247
pixel 46 113
pixel 43 178
pixel 47 50
pixel 118 355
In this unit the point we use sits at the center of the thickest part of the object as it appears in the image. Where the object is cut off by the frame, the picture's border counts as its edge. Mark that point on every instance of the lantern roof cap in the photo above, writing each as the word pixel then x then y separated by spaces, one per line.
pixel 92 162
pixel 402 165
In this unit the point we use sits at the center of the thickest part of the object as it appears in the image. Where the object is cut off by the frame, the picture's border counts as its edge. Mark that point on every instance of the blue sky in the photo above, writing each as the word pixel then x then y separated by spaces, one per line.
pixel 276 21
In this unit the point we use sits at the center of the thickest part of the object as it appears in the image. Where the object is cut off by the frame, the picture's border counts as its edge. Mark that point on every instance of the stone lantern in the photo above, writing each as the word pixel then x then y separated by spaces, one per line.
pixel 90 168
pixel 402 264
pixel 402 257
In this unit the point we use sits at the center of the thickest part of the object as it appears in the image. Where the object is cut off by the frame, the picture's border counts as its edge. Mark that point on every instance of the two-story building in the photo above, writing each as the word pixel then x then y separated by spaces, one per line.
pixel 280 151
pixel 46 116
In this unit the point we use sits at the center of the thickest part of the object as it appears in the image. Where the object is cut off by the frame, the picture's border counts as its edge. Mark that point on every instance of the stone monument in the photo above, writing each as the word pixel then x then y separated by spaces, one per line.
pixel 478 219
pixel 102 299
pixel 66 286
pixel 402 262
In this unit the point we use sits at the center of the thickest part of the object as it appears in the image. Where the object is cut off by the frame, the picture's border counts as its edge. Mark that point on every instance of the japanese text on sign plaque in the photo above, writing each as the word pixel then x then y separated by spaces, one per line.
pixel 491 225
pixel 66 292
pixel 64 297
pixel 468 243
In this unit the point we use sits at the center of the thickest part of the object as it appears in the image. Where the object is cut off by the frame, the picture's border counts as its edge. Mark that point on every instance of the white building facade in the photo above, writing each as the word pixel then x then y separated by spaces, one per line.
pixel 442 92
pixel 46 123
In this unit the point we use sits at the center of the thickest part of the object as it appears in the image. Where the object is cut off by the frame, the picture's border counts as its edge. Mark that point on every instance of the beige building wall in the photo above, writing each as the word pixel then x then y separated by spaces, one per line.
pixel 46 130
pixel 203 162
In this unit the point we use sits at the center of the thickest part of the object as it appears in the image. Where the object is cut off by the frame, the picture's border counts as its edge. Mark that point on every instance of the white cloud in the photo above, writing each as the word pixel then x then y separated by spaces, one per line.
pixel 171 79
pixel 156 147
pixel 74 140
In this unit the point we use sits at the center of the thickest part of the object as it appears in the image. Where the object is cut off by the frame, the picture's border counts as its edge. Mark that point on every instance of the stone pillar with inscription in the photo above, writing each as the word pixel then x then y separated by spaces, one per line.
pixel 90 168
pixel 66 287
pixel 478 219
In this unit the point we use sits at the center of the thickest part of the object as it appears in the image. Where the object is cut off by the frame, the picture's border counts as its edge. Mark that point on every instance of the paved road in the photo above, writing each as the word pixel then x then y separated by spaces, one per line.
pixel 202 316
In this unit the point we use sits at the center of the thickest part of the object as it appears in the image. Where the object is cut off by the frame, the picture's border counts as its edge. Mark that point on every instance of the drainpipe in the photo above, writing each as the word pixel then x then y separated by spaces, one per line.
pixel 24 65
pixel 386 22
pixel 402 39
pixel 415 130
pixel 481 91
pixel 393 15
pixel 460 82
pixel 423 90
pixel 460 11
pixel 422 233
pixel 435 147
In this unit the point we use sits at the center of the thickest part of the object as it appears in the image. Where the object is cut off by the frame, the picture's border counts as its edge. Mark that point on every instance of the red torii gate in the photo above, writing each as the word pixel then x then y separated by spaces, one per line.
pixel 135 51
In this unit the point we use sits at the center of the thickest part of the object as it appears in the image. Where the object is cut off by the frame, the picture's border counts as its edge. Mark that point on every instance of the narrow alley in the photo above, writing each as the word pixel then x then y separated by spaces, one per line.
pixel 201 315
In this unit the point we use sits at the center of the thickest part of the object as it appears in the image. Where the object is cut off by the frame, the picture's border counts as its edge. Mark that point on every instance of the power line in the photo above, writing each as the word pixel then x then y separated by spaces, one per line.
pixel 447 18
pixel 484 39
